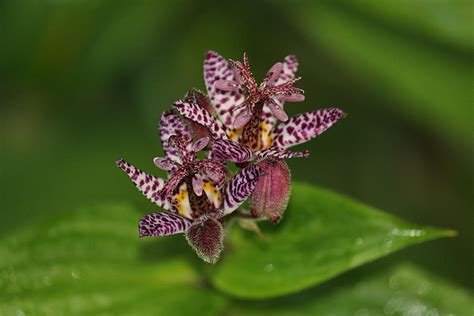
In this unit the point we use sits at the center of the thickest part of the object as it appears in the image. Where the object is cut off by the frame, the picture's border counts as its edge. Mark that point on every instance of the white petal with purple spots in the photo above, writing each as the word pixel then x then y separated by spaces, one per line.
pixel 280 153
pixel 200 115
pixel 163 224
pixel 303 127
pixel 171 124
pixel 240 188
pixel 148 184
pixel 217 68
pixel 227 150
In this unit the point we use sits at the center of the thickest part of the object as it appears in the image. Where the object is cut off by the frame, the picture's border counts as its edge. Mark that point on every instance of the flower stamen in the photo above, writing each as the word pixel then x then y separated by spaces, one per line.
pixel 267 92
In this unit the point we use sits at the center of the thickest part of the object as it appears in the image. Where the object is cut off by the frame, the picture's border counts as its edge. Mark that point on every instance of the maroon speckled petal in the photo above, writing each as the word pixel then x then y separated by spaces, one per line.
pixel 197 97
pixel 240 187
pixel 217 68
pixel 171 184
pixel 303 127
pixel 163 224
pixel 227 150
pixel 171 124
pixel 280 153
pixel 199 115
pixel 147 184
pixel 288 71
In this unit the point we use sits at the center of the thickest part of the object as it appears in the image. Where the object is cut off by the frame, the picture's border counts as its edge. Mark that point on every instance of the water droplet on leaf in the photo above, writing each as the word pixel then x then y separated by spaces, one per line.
pixel 268 267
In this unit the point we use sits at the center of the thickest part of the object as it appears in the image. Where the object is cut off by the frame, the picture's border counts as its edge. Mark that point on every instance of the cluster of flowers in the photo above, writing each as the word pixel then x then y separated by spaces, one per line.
pixel 236 122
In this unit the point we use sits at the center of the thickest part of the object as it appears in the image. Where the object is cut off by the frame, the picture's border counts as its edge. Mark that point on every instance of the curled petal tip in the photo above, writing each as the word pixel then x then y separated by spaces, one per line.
pixel 119 162
pixel 337 113
pixel 178 104
pixel 210 53
pixel 141 233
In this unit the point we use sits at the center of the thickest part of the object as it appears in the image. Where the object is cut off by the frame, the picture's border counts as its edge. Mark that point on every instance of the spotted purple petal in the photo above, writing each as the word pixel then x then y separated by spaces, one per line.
pixel 147 184
pixel 170 185
pixel 280 153
pixel 240 187
pixel 171 124
pixel 197 97
pixel 199 115
pixel 217 68
pixel 288 71
pixel 303 127
pixel 200 98
pixel 227 150
pixel 163 224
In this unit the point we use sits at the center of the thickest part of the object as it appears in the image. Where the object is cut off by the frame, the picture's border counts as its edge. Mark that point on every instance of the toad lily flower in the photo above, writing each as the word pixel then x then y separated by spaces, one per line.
pixel 268 93
pixel 247 113
pixel 188 171
pixel 233 91
pixel 199 216
pixel 236 122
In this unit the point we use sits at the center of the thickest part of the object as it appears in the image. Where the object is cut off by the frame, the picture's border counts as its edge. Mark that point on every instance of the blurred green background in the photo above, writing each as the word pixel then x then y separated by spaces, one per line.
pixel 84 82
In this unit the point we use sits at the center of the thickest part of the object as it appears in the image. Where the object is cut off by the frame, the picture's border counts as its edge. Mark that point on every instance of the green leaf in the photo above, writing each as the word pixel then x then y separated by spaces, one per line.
pixel 322 235
pixel 424 80
pixel 92 262
pixel 447 22
pixel 404 290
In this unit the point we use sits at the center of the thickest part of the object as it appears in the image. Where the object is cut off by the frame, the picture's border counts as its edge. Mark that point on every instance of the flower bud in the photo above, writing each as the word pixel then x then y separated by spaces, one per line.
pixel 272 192
pixel 206 238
